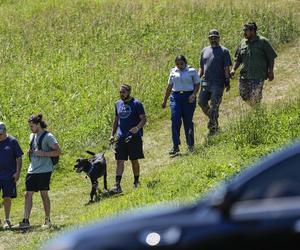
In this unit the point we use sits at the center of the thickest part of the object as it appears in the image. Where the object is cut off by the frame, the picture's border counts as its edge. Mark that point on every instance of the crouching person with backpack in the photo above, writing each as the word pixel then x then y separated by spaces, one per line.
pixel 43 153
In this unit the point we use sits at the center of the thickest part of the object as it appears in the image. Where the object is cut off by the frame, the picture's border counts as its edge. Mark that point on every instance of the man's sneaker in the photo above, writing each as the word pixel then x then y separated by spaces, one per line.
pixel 174 151
pixel 212 132
pixel 6 224
pixel 136 185
pixel 47 224
pixel 116 190
pixel 23 225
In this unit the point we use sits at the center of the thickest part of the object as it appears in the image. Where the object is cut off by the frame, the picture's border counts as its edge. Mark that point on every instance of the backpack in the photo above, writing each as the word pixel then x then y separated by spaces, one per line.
pixel 54 159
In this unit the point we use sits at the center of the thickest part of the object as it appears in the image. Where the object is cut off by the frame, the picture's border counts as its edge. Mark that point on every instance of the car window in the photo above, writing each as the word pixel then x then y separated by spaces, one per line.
pixel 282 180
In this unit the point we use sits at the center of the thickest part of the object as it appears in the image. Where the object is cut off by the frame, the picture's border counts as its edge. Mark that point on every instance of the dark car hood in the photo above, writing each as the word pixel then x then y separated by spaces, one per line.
pixel 153 218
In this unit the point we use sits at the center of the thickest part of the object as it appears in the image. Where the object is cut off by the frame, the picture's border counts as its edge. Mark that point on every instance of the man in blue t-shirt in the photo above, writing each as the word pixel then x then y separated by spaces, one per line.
pixel 129 121
pixel 214 69
pixel 10 167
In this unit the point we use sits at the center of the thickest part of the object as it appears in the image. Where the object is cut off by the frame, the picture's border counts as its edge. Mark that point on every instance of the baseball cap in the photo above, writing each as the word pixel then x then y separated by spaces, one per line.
pixel 214 33
pixel 2 127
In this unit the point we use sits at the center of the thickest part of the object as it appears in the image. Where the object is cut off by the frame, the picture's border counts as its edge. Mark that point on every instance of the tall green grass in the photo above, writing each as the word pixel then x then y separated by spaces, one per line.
pixel 67 58
pixel 261 126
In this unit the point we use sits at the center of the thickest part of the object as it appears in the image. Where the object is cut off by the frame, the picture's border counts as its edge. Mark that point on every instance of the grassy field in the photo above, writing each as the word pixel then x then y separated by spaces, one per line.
pixel 66 60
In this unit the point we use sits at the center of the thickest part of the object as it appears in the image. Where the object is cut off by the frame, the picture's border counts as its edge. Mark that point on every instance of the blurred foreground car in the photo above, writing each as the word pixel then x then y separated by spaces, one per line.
pixel 258 209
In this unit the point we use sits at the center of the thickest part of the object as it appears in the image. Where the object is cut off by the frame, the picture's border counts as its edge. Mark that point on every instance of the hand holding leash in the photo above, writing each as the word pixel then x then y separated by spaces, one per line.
pixel 111 139
pixel 112 142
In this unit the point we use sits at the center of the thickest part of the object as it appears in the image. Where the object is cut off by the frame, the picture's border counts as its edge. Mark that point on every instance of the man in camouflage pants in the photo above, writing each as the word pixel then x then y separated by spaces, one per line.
pixel 256 56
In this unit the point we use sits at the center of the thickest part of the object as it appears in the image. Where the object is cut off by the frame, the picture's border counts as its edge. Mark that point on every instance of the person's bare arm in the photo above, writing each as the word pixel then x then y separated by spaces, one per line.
pixel 201 72
pixel 192 97
pixel 53 153
pixel 16 175
pixel 114 129
pixel 141 124
pixel 234 68
pixel 271 70
pixel 227 78
pixel 167 95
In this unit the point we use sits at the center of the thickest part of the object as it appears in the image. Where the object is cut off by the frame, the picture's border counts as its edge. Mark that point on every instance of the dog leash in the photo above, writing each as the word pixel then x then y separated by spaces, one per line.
pixel 112 145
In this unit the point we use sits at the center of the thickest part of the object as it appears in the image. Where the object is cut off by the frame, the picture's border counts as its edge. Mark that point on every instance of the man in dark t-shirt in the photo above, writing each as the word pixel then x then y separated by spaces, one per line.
pixel 128 125
pixel 214 69
pixel 10 167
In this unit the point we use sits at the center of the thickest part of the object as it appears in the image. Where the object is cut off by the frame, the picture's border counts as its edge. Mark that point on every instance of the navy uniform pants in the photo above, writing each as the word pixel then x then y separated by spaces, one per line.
pixel 212 93
pixel 182 111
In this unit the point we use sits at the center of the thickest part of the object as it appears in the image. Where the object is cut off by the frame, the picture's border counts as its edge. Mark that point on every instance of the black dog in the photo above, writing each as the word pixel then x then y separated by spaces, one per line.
pixel 94 167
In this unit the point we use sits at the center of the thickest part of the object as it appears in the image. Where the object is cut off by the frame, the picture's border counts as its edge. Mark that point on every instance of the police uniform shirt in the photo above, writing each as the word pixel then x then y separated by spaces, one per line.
pixel 183 80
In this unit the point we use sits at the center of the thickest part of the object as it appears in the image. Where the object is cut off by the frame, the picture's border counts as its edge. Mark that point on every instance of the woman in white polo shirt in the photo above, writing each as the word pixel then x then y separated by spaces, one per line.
pixel 183 85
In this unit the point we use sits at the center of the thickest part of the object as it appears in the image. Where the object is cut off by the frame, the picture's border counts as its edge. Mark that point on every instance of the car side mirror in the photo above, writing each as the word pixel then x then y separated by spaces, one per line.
pixel 224 202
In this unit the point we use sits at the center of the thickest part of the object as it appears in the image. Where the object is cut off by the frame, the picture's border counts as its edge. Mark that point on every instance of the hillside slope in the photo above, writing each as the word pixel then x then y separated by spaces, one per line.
pixel 66 59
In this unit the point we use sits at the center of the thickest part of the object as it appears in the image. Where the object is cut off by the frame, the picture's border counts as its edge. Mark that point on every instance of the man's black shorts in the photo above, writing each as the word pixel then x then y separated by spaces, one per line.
pixel 38 182
pixel 132 149
pixel 8 188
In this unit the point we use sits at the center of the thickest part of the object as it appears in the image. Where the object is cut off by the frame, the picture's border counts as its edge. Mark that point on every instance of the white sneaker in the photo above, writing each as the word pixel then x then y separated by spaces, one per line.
pixel 47 224
pixel 6 224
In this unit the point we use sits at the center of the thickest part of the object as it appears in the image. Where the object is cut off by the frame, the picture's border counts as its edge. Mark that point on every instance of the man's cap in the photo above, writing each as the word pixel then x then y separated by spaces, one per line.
pixel 214 33
pixel 2 127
